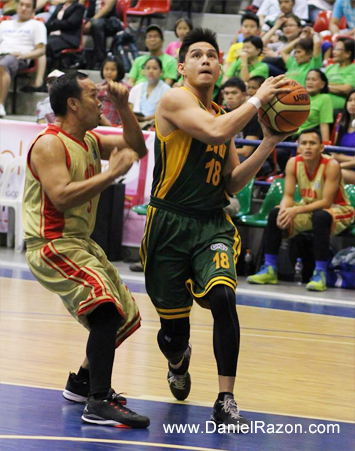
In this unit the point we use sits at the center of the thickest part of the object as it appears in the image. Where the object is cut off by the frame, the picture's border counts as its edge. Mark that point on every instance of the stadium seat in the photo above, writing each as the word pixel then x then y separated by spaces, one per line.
pixel 244 197
pixel 272 199
pixel 140 209
pixel 334 129
pixel 146 9
pixel 350 191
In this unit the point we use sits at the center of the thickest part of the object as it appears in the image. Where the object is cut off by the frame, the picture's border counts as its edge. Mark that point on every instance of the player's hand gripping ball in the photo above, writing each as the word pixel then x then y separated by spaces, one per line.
pixel 285 113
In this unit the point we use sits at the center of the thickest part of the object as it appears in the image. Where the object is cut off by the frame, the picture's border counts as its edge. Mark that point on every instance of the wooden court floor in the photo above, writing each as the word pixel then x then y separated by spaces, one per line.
pixel 291 363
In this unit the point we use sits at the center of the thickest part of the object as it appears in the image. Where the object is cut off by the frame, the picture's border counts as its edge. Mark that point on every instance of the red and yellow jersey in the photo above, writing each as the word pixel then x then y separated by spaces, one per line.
pixel 40 217
pixel 311 188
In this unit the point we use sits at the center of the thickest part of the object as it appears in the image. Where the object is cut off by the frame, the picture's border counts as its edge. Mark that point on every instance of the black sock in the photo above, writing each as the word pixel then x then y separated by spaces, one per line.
pixel 182 368
pixel 100 396
pixel 222 394
pixel 83 375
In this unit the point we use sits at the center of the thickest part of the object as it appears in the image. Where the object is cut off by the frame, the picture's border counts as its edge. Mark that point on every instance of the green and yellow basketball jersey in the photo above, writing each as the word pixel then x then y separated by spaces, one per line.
pixel 40 217
pixel 188 174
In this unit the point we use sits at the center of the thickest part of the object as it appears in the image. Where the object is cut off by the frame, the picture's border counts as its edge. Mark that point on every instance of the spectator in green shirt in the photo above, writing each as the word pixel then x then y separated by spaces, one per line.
pixel 154 40
pixel 307 55
pixel 321 114
pixel 341 75
pixel 248 64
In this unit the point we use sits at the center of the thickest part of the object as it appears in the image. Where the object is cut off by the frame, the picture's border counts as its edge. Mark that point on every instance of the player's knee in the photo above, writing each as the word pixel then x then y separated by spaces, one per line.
pixel 173 338
pixel 222 301
pixel 105 315
pixel 321 219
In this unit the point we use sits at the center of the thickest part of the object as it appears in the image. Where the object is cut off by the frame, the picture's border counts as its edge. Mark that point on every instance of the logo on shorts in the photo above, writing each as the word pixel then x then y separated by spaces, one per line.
pixel 219 246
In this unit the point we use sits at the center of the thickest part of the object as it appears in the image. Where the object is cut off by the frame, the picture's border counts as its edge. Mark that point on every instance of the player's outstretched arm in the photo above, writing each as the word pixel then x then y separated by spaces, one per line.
pixel 239 175
pixel 132 135
pixel 178 109
pixel 48 162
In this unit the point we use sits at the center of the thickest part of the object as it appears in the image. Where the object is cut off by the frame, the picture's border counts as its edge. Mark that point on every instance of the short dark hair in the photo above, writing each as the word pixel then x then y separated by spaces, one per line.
pixel 62 89
pixel 349 45
pixel 255 41
pixel 324 78
pixel 250 16
pixel 183 19
pixel 312 130
pixel 197 35
pixel 119 67
pixel 235 82
pixel 258 78
pixel 155 27
pixel 305 44
pixel 156 59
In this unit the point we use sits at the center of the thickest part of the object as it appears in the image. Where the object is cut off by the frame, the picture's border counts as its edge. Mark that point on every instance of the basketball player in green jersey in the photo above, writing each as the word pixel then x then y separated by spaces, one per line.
pixel 63 183
pixel 190 246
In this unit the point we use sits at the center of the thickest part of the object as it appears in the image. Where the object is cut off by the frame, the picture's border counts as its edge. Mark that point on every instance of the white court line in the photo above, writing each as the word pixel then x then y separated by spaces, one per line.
pixel 247 291
pixel 190 403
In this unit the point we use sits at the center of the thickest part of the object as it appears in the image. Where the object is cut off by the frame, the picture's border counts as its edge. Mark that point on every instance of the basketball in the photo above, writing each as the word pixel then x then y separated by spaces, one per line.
pixel 287 112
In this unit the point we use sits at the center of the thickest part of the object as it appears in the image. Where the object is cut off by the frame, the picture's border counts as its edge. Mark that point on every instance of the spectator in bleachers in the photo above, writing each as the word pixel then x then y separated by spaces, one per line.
pixel 249 27
pixel 248 64
pixel 270 10
pixel 325 209
pixel 103 23
pixel 64 29
pixel 182 27
pixel 44 111
pixel 144 97
pixel 21 41
pixel 234 95
pixel 317 6
pixel 307 55
pixel 254 84
pixel 154 40
pixel 321 114
pixel 341 75
pixel 346 138
pixel 343 8
pixel 111 70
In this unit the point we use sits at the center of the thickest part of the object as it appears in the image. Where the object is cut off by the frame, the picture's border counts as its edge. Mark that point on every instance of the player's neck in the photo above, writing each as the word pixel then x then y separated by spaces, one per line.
pixel 203 94
pixel 74 130
pixel 312 165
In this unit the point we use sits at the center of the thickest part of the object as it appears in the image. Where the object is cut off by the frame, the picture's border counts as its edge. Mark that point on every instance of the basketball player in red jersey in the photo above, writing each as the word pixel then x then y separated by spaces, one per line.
pixel 63 183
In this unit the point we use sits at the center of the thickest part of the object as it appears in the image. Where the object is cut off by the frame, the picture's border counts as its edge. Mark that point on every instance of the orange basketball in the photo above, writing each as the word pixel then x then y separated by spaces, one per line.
pixel 287 112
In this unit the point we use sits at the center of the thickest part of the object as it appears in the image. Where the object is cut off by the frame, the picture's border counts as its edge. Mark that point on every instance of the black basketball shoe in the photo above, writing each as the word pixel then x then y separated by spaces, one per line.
pixel 180 384
pixel 111 412
pixel 78 391
pixel 226 413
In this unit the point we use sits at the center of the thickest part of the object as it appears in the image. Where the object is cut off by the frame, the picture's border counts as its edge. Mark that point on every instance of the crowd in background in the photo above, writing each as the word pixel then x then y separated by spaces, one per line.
pixel 294 37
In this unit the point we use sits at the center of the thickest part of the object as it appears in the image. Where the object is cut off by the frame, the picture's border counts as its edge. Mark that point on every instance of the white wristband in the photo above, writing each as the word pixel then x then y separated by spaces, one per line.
pixel 255 101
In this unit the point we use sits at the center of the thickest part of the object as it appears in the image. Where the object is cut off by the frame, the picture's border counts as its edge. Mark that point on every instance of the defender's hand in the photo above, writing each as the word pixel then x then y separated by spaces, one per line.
pixel 118 94
pixel 121 161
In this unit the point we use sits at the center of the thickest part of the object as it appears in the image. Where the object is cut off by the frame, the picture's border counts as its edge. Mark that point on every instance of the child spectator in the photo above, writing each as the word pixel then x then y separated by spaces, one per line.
pixel 254 84
pixel 248 64
pixel 234 95
pixel 144 97
pixel 250 27
pixel 343 8
pixel 321 114
pixel 271 9
pixel 182 27
pixel 346 138
pixel 307 56
pixel 341 75
pixel 111 69
pixel 44 110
